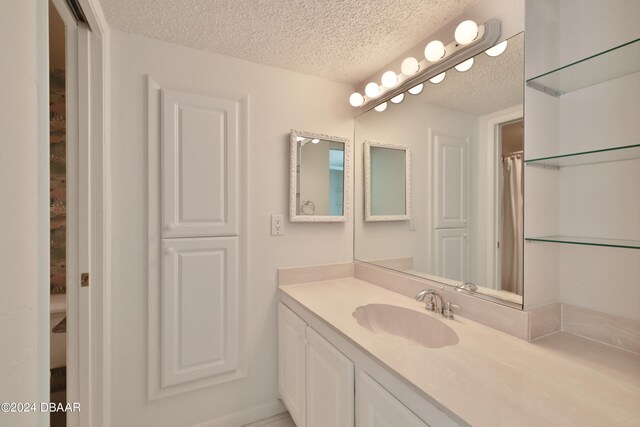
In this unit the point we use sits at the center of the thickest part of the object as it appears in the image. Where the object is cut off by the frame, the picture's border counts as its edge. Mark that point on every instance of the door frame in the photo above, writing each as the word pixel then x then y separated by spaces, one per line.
pixel 493 177
pixel 88 244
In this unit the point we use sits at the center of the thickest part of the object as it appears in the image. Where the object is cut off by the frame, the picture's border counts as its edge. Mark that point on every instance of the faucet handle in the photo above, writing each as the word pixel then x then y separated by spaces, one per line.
pixel 426 294
pixel 430 304
pixel 448 310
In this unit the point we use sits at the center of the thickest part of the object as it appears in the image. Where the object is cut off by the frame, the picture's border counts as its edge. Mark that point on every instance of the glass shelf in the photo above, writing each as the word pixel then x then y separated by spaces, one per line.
pixel 607 65
pixel 614 154
pixel 589 241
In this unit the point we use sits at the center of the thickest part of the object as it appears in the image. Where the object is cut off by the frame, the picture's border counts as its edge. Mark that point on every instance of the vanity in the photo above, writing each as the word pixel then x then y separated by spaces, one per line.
pixel 438 204
pixel 334 371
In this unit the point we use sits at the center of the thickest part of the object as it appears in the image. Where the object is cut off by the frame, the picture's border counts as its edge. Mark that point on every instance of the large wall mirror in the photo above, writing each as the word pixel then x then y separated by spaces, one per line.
pixel 319 177
pixel 465 134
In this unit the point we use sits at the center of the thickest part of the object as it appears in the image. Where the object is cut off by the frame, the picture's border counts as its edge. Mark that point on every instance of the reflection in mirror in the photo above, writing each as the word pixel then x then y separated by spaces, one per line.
pixel 465 134
pixel 319 171
pixel 387 182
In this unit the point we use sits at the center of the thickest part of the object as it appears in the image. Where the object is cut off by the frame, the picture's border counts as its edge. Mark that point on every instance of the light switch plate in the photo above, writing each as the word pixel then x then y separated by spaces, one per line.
pixel 412 224
pixel 277 225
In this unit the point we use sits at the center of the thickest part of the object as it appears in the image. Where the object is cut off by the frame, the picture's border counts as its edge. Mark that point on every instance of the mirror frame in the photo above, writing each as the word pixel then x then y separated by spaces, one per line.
pixel 368 217
pixel 293 182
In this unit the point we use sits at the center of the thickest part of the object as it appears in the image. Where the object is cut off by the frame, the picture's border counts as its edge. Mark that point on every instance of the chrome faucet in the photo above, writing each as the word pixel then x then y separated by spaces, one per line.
pixel 433 297
pixel 432 301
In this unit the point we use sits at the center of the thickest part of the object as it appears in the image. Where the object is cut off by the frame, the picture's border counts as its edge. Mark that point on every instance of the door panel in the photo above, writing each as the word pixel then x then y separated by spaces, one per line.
pixel 330 384
pixel 199 287
pixel 376 407
pixel 291 363
pixel 450 180
pixel 451 254
pixel 199 158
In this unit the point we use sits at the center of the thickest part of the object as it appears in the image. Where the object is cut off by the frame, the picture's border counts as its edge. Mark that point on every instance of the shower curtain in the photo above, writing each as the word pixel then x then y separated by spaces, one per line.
pixel 512 223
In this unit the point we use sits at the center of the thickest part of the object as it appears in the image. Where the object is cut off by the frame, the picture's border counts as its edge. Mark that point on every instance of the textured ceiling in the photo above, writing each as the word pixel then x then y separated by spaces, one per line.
pixel 342 40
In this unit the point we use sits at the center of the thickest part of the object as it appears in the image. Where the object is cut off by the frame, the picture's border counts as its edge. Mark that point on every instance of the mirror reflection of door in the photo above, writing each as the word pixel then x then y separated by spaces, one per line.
pixel 510 206
pixel 451 204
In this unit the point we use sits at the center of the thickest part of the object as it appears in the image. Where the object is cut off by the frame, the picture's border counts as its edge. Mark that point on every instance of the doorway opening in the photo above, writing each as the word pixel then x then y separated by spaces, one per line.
pixel 57 214
pixel 510 206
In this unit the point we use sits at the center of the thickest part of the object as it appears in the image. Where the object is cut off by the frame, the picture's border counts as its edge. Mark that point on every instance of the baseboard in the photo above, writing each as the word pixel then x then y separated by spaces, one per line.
pixel 247 416
pixel 270 420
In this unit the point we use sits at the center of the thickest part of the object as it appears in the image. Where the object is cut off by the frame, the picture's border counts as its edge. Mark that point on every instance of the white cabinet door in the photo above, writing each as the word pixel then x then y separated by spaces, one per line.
pixel 291 363
pixel 199 165
pixel 376 407
pixel 199 288
pixel 451 254
pixel 330 384
pixel 451 168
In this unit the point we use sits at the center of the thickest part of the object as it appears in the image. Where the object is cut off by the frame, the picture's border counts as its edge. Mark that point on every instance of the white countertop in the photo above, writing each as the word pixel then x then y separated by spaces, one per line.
pixel 490 378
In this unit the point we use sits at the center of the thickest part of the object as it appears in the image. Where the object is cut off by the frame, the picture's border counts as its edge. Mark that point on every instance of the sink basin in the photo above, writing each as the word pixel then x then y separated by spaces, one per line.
pixel 401 322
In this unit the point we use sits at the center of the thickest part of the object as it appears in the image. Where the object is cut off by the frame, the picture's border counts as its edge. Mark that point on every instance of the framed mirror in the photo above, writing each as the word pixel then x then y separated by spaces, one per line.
pixel 387 181
pixel 464 130
pixel 319 177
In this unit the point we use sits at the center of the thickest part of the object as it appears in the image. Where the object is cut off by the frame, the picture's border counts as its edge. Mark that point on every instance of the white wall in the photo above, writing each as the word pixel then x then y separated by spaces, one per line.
pixel 597 200
pixel 278 101
pixel 601 200
pixel 24 210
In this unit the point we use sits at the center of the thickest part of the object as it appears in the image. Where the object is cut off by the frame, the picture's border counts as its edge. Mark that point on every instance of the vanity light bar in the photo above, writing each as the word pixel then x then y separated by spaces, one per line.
pixel 454 54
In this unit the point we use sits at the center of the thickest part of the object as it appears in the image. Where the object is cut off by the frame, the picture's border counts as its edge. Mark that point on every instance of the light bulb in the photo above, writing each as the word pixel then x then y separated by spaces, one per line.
pixel 416 89
pixel 398 98
pixel 372 90
pixel 409 66
pixel 380 108
pixel 466 32
pixel 497 49
pixel 465 66
pixel 389 79
pixel 434 51
pixel 437 79
pixel 315 141
pixel 356 99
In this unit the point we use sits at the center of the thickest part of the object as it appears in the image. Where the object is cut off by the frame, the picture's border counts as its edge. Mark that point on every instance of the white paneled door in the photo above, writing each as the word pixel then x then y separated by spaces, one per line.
pixel 199 165
pixel 451 205
pixel 199 288
pixel 197 244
